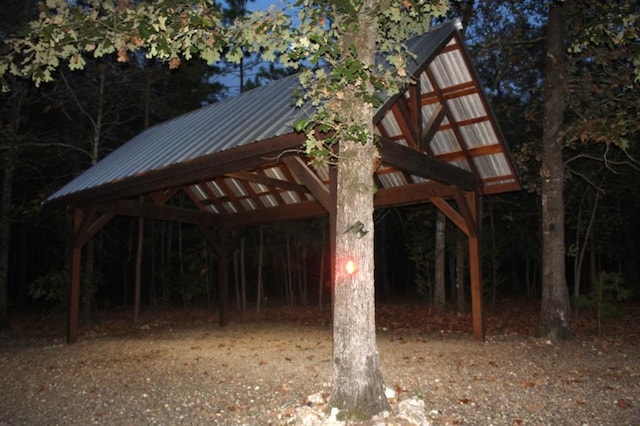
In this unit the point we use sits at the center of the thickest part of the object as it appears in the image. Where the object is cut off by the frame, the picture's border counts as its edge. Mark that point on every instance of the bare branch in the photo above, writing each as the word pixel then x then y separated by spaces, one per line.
pixel 77 101
pixel 586 179
pixel 49 145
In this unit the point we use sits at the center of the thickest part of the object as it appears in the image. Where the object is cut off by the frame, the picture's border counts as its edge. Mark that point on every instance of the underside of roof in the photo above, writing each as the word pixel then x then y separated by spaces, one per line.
pixel 240 159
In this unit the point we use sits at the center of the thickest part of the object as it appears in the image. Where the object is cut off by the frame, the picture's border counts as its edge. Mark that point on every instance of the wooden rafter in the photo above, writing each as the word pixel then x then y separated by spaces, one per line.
pixel 412 194
pixel 267 181
pixel 401 114
pixel 454 126
pixel 253 194
pixel 285 212
pixel 378 162
pixel 425 166
pixel 161 197
pixel 431 128
pixel 415 109
pixel 153 211
pixel 311 181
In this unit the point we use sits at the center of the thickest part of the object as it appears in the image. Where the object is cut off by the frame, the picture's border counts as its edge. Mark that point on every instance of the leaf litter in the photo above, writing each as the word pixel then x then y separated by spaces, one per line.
pixel 180 367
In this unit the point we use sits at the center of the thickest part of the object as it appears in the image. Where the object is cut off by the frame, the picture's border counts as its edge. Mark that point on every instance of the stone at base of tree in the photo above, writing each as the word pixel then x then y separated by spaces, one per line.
pixel 413 410
pixel 316 412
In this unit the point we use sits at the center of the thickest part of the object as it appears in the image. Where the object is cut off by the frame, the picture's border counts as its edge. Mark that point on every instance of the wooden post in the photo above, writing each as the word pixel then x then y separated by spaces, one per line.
pixel 74 291
pixel 475 271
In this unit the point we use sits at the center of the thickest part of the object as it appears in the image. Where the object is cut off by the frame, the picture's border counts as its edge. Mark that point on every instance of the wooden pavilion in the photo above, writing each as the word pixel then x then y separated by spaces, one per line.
pixel 240 163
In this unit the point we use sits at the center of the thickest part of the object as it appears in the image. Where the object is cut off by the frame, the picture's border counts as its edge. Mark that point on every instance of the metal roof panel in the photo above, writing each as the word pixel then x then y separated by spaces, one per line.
pixel 448 87
pixel 262 113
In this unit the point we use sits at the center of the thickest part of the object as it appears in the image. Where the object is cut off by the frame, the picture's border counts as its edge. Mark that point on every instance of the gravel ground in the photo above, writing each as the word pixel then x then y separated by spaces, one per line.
pixel 191 371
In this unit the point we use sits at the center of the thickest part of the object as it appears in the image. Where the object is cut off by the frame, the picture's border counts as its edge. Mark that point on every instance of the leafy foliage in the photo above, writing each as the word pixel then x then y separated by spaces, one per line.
pixel 54 287
pixel 608 289
pixel 605 73
pixel 67 33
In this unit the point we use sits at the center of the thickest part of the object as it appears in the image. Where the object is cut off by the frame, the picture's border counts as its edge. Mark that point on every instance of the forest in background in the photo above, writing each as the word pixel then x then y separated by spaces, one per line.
pixel 51 134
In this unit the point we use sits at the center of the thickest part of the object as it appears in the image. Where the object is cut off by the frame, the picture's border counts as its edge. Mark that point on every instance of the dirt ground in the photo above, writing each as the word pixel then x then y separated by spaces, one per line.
pixel 180 367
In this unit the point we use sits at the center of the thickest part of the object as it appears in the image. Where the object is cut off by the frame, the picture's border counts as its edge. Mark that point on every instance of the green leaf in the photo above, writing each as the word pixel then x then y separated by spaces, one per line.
pixel 300 125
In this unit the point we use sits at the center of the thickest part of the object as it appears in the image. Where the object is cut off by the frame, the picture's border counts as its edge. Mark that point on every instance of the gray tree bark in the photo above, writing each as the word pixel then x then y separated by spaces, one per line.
pixel 555 308
pixel 358 386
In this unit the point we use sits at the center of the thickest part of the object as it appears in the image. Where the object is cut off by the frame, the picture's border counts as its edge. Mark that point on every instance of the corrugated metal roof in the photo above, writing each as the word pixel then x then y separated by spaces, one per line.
pixel 453 110
pixel 259 114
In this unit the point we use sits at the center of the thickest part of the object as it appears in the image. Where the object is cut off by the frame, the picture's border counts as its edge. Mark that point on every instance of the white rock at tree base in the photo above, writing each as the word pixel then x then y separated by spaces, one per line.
pixel 412 409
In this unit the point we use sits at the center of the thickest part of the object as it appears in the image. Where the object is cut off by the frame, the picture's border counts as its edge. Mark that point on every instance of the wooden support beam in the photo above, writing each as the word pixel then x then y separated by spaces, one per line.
pixel 154 211
pixel 475 273
pixel 411 194
pixel 309 179
pixel 298 211
pixel 267 181
pixel 85 218
pixel 402 115
pixel 89 228
pixel 467 222
pixel 452 214
pixel 161 197
pixel 465 207
pixel 432 128
pixel 419 164
pixel 415 109
pixel 84 229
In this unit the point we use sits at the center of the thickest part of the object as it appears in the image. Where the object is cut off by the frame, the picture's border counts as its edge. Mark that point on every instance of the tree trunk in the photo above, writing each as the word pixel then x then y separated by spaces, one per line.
pixel 555 308
pixel 5 229
pixel 439 299
pixel 358 387
pixel 358 384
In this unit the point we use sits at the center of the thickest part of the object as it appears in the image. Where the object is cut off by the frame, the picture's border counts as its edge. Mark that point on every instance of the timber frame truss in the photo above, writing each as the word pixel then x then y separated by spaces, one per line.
pixel 438 142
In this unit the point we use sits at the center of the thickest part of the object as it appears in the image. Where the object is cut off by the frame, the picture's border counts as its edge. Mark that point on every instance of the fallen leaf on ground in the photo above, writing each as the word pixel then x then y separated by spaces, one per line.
pixel 623 403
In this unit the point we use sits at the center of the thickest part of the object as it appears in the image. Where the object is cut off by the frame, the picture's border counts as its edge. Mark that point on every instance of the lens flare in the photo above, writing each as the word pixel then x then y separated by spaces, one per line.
pixel 350 267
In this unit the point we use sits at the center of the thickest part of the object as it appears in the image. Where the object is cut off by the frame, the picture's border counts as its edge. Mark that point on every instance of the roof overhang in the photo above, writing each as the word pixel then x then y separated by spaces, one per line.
pixel 240 161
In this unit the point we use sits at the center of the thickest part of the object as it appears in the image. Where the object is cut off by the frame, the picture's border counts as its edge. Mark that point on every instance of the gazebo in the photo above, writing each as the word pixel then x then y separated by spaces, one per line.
pixel 240 161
